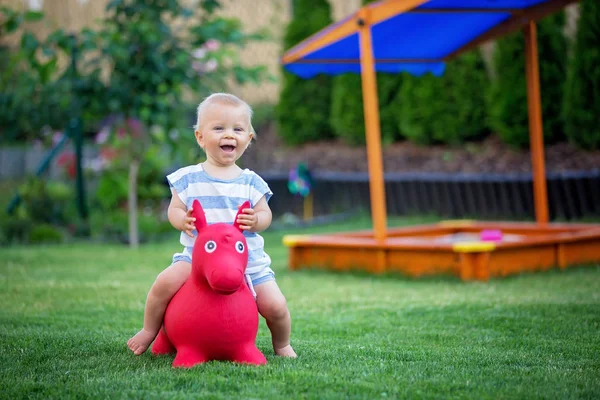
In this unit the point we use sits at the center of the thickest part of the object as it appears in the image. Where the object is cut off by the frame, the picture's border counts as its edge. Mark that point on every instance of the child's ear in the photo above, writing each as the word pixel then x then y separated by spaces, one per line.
pixel 199 138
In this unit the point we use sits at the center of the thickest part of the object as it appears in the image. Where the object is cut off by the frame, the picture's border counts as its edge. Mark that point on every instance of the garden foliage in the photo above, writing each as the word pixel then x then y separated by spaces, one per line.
pixel 582 96
pixel 157 59
pixel 303 110
pixel 449 109
pixel 154 64
pixel 43 214
pixel 347 112
pixel 509 112
pixel 37 94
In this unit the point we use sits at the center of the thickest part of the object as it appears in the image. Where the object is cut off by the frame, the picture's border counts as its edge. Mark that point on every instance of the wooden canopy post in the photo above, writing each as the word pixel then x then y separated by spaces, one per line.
pixel 536 135
pixel 372 130
pixel 371 110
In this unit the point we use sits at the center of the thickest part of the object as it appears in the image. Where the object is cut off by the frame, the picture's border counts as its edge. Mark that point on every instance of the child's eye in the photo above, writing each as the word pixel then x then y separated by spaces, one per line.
pixel 239 129
pixel 218 128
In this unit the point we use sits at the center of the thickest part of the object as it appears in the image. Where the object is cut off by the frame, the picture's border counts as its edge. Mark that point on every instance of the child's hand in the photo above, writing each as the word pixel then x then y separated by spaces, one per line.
pixel 247 219
pixel 188 223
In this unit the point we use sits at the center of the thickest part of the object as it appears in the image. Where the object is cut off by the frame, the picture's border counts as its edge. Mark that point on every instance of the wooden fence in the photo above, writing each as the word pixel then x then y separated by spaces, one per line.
pixel 571 195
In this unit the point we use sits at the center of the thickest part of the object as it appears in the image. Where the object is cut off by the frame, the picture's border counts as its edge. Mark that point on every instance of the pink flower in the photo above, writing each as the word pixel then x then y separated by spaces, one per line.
pixel 198 67
pixel 57 137
pixel 212 45
pixel 211 65
pixel 199 53
pixel 103 135
pixel 108 154
pixel 135 126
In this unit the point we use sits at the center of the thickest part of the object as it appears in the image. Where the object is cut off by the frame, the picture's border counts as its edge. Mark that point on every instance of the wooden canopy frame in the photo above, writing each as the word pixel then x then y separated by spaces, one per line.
pixel 361 23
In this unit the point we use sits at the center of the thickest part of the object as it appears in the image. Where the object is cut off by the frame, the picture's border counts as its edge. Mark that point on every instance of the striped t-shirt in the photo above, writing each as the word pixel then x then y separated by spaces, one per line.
pixel 220 199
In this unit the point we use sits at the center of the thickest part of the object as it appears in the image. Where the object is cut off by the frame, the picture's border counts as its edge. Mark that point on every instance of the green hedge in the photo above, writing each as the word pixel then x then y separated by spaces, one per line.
pixel 582 95
pixel 303 110
pixel 448 109
pixel 347 112
pixel 509 116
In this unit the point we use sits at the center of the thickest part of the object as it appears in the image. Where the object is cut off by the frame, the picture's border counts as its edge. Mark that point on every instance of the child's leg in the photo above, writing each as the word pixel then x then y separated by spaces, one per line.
pixel 164 288
pixel 272 306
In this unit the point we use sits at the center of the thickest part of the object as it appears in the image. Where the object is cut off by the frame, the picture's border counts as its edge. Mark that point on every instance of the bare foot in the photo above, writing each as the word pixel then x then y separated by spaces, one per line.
pixel 286 351
pixel 140 342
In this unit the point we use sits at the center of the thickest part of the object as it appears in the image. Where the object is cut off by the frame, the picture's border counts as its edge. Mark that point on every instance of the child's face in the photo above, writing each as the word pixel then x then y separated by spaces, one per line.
pixel 224 133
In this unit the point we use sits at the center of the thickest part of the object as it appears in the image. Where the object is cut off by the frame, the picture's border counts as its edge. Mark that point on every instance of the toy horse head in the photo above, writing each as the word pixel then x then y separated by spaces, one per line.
pixel 220 254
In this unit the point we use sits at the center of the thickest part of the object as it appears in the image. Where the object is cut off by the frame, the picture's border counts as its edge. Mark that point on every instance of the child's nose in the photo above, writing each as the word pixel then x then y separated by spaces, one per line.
pixel 228 133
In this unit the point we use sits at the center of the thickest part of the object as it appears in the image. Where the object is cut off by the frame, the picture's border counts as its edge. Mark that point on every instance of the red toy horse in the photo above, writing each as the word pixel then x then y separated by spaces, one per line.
pixel 214 315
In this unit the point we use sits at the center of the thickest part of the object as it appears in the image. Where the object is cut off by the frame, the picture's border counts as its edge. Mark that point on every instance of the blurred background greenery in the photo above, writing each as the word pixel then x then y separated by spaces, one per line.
pixel 131 79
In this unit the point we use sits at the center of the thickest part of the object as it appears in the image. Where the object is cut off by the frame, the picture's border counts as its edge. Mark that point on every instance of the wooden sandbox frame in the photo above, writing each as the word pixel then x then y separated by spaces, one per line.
pixel 413 251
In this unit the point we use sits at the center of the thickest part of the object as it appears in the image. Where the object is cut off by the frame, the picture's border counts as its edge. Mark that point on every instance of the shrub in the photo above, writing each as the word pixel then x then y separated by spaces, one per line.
pixel 36 91
pixel 347 112
pixel 508 112
pixel 347 116
pixel 449 109
pixel 15 229
pixel 112 189
pixel 45 202
pixel 582 96
pixel 303 109
pixel 45 233
pixel 111 225
pixel 263 117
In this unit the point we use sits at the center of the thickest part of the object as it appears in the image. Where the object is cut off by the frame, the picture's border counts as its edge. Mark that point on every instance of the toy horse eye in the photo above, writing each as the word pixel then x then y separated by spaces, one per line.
pixel 210 246
pixel 239 246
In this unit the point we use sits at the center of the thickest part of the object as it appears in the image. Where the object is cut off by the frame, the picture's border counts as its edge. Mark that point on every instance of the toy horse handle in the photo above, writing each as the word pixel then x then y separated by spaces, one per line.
pixel 198 213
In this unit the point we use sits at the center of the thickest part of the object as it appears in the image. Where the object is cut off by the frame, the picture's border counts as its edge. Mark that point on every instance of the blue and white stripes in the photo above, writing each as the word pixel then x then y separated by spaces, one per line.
pixel 220 200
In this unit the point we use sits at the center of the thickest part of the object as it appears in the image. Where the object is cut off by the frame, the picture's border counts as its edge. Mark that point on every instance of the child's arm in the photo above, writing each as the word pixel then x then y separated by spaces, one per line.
pixel 179 215
pixel 256 219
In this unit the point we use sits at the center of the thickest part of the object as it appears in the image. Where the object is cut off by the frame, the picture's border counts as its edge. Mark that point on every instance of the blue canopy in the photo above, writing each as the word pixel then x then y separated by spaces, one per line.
pixel 414 36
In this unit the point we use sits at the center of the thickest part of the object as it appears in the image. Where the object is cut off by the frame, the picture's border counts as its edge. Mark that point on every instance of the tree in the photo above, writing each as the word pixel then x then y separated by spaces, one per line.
pixel 347 112
pixel 582 97
pixel 448 109
pixel 36 94
pixel 508 112
pixel 157 52
pixel 303 109
pixel 152 56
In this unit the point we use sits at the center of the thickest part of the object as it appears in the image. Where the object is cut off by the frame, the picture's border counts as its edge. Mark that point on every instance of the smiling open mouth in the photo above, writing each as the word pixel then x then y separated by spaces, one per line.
pixel 228 148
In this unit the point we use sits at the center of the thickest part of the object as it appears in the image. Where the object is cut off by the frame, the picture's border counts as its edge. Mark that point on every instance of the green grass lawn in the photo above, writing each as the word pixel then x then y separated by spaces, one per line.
pixel 68 311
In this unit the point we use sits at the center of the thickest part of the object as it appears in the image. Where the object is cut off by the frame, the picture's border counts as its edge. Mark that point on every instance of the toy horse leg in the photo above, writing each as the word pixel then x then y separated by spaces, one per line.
pixel 249 354
pixel 188 357
pixel 162 344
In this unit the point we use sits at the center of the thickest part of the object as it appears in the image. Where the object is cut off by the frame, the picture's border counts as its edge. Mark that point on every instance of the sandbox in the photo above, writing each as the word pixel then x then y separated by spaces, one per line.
pixel 451 248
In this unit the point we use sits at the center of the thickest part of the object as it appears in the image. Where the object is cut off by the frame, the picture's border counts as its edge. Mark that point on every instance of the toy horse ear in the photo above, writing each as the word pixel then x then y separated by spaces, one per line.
pixel 246 204
pixel 198 213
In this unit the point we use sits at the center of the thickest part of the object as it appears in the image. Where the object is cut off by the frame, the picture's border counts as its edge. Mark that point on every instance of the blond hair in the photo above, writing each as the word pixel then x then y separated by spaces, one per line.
pixel 223 98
